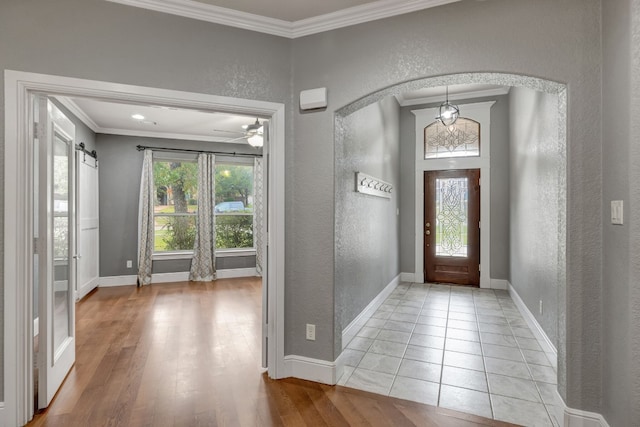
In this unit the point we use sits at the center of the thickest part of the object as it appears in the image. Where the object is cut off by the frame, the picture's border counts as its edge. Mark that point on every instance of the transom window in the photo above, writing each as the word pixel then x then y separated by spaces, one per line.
pixel 462 139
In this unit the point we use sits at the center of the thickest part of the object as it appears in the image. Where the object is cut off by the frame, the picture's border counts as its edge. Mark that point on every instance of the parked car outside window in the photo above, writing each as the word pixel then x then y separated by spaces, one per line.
pixel 229 207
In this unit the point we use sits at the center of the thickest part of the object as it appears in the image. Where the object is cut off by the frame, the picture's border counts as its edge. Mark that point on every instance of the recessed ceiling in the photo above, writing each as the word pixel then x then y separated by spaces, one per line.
pixel 287 10
pixel 159 121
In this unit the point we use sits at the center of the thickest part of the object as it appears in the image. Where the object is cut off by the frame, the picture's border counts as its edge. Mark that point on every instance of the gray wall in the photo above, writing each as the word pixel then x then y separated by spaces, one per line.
pixel 535 161
pixel 120 171
pixel 366 227
pixel 499 184
pixel 499 35
pixel 621 245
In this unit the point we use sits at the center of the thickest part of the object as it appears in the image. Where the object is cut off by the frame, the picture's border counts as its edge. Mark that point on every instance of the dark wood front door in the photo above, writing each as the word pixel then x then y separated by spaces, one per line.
pixel 452 226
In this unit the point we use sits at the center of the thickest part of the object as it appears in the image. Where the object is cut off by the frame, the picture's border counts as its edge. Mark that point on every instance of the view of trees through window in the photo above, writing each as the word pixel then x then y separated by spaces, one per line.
pixel 234 206
pixel 176 204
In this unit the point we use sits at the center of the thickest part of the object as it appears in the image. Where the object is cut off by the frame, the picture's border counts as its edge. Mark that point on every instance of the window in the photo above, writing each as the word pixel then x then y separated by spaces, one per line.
pixel 176 201
pixel 462 139
pixel 234 206
pixel 176 204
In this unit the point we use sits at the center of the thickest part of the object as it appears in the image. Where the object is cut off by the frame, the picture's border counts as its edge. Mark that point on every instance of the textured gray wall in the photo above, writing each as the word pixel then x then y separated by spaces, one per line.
pixel 499 184
pixel 499 35
pixel 621 164
pixel 120 166
pixel 535 159
pixel 552 39
pixel 366 227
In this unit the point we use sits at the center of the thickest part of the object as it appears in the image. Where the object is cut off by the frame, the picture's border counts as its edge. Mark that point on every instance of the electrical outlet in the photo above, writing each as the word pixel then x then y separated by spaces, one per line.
pixel 311 332
pixel 129 263
pixel 540 306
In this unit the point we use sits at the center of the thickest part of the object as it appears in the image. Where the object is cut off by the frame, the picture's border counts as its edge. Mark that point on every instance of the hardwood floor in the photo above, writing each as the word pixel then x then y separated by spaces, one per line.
pixel 188 354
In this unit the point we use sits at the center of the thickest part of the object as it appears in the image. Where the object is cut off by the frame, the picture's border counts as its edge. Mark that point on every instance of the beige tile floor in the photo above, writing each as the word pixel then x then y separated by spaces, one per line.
pixel 461 348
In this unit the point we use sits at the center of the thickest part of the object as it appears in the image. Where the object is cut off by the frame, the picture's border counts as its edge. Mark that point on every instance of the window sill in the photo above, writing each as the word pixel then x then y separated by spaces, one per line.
pixel 222 253
pixel 172 255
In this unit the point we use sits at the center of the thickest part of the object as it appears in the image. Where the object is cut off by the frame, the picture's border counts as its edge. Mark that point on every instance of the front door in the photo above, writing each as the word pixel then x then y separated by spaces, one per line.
pixel 452 226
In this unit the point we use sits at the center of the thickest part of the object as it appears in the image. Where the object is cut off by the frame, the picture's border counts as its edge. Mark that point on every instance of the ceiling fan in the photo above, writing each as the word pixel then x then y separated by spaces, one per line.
pixel 251 132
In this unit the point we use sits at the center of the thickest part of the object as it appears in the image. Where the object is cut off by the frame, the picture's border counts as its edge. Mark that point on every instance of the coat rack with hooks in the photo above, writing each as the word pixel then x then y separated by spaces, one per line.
pixel 372 186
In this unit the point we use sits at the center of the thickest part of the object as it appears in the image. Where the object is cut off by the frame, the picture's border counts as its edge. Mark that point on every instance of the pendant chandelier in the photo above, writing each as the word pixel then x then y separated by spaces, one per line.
pixel 448 113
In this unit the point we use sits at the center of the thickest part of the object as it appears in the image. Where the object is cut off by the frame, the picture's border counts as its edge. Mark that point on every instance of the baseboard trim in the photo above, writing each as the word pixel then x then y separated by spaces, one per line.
pixel 542 337
pixel 570 417
pixel 352 329
pixel 310 369
pixel 407 277
pixel 499 284
pixel 88 287
pixel 230 273
pixel 110 281
pixel 180 276
pixel 578 418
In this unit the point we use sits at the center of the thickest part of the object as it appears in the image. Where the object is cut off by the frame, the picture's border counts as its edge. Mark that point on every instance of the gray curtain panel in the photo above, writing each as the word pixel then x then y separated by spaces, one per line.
pixel 203 264
pixel 145 220
pixel 258 210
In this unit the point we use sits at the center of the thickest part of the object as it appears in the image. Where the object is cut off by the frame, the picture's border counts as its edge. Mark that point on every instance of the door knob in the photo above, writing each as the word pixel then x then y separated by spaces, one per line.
pixel 428 225
pixel 428 232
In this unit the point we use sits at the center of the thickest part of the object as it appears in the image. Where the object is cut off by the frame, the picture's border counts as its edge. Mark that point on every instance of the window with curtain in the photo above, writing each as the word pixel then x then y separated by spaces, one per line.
pixel 175 205
pixel 234 206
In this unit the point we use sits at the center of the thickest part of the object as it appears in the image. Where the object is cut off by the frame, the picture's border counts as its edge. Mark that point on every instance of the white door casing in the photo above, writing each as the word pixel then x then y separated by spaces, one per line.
pixel 18 323
pixel 481 113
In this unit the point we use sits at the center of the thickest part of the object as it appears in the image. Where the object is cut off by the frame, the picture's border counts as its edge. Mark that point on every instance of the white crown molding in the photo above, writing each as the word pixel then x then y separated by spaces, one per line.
pixel 359 14
pixel 164 135
pixel 277 27
pixel 452 97
pixel 215 14
pixel 70 105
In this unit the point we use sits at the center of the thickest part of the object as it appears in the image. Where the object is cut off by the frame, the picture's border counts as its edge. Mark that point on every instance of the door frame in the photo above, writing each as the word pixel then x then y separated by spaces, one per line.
pixel 18 322
pixel 480 112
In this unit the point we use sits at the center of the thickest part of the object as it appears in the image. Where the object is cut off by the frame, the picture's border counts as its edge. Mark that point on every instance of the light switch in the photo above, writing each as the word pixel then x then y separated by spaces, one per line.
pixel 616 212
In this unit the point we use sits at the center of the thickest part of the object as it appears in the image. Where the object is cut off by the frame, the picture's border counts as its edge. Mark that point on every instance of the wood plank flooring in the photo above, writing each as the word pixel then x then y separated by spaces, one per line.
pixel 188 354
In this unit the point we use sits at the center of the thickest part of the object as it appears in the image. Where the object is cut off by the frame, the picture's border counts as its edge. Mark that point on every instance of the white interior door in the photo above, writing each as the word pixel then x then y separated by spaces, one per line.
pixel 55 247
pixel 88 225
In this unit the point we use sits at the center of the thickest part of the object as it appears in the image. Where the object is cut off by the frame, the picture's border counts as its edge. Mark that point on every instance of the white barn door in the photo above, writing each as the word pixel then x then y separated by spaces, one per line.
pixel 88 225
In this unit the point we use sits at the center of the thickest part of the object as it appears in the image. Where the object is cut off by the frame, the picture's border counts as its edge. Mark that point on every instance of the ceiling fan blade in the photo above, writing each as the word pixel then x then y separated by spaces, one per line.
pixel 237 139
pixel 228 131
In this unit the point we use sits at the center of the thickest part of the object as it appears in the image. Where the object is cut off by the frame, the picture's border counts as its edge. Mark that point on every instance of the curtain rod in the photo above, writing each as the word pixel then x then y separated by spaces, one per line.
pixel 185 150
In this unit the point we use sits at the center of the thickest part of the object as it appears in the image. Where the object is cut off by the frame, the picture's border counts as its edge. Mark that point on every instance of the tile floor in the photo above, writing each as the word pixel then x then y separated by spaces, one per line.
pixel 461 348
